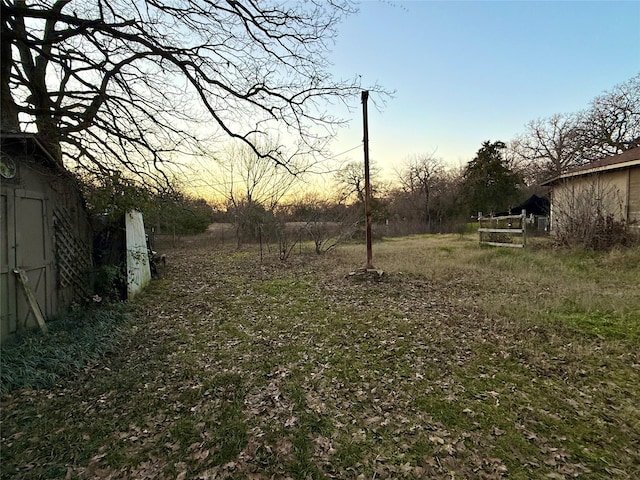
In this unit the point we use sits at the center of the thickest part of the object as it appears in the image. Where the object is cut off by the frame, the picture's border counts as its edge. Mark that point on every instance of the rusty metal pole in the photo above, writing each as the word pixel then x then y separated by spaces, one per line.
pixel 367 183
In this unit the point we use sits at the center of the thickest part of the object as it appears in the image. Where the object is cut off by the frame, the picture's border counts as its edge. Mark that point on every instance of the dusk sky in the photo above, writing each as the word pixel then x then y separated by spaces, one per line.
pixel 466 72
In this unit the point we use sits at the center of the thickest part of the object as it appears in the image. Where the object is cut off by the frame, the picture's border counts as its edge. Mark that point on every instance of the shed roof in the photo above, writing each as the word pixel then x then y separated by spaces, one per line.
pixel 614 162
pixel 11 141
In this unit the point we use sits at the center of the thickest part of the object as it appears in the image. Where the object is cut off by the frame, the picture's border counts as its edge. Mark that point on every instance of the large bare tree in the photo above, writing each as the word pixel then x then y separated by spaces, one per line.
pixel 251 185
pixel 612 123
pixel 548 147
pixel 243 176
pixel 350 182
pixel 131 84
pixel 420 177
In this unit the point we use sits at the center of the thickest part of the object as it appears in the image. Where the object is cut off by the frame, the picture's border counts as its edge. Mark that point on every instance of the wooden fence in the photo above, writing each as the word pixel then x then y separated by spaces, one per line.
pixel 503 231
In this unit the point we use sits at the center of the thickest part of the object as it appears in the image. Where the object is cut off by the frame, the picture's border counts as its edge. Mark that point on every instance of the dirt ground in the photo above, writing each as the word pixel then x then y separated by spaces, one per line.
pixel 241 368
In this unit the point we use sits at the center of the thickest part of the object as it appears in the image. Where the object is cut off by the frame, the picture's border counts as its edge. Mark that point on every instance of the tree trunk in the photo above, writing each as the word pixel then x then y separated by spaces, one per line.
pixel 8 108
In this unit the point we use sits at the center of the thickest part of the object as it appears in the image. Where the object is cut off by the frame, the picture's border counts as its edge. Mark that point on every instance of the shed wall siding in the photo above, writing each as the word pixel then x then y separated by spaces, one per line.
pixel 634 198
pixel 605 193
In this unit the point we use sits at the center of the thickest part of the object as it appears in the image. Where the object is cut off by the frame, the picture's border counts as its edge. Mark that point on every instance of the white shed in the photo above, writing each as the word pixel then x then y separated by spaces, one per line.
pixel 609 187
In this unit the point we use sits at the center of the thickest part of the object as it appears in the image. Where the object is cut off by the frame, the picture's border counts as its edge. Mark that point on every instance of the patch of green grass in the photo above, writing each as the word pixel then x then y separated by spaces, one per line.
pixel 281 286
pixel 446 249
pixel 350 453
pixel 449 413
pixel 227 425
pixel 603 324
pixel 184 432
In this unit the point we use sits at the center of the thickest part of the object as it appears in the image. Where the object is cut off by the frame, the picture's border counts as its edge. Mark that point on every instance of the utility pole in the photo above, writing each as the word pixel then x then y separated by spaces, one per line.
pixel 367 183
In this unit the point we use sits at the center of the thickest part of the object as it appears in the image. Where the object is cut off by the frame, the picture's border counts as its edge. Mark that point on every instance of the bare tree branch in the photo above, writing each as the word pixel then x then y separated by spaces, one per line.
pixel 131 83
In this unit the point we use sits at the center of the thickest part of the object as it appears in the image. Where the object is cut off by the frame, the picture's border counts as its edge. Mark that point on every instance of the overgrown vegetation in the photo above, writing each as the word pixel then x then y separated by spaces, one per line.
pixel 600 232
pixel 459 362
pixel 84 335
pixel 166 211
pixel 589 215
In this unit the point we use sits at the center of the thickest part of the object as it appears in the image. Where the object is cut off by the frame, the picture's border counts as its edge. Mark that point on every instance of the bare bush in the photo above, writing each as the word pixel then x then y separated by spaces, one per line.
pixel 589 215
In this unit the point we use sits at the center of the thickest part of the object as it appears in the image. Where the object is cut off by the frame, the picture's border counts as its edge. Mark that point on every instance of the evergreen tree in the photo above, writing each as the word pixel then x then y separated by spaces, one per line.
pixel 488 184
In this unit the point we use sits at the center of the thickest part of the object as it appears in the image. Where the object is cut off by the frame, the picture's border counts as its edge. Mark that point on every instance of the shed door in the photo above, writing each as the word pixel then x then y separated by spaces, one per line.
pixel 7 264
pixel 29 247
pixel 33 253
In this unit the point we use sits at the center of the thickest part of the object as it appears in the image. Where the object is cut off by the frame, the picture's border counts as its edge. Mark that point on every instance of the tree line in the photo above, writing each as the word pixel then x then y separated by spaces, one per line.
pixel 426 197
pixel 119 92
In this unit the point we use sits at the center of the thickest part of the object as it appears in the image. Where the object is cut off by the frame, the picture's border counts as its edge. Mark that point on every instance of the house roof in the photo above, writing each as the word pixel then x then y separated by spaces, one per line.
pixel 614 162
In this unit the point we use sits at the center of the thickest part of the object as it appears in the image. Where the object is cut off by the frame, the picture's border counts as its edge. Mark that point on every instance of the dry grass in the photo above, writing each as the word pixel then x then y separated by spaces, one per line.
pixel 459 362
pixel 531 283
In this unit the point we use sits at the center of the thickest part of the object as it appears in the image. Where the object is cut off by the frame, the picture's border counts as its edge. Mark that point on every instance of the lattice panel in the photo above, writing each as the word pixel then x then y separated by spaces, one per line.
pixel 73 255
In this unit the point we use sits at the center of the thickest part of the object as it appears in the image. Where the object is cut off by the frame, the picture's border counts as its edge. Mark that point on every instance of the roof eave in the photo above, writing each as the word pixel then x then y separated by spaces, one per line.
pixel 32 137
pixel 592 171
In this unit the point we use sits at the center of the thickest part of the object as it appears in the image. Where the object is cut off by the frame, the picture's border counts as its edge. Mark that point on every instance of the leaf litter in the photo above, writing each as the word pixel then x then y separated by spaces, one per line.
pixel 241 369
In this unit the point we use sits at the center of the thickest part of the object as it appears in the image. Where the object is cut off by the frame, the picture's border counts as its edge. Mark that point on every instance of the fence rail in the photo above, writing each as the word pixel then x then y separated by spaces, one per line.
pixel 503 231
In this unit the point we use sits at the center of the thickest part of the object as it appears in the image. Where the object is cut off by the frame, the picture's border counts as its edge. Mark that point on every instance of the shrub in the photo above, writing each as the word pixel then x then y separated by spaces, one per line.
pixel 590 216
pixel 597 232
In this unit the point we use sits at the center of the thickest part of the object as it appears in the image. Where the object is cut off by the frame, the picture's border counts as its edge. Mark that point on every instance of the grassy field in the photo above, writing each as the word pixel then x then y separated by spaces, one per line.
pixel 458 362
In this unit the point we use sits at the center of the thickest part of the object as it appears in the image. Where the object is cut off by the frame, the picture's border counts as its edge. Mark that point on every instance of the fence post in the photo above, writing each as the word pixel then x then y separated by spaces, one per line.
pixel 523 225
pixel 495 227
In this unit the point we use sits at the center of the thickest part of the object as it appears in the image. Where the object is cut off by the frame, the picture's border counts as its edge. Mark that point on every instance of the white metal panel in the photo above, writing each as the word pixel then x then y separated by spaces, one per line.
pixel 138 268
